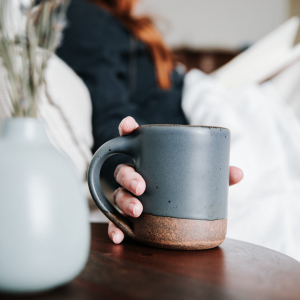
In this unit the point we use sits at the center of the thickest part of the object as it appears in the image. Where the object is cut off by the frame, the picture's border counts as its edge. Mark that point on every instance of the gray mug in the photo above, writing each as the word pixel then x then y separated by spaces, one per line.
pixel 186 170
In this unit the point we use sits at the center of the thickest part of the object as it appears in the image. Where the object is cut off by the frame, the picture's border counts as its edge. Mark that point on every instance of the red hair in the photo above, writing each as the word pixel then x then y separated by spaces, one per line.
pixel 143 29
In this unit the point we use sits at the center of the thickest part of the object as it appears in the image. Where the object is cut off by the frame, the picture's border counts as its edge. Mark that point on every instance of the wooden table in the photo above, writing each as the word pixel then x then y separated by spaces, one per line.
pixel 235 270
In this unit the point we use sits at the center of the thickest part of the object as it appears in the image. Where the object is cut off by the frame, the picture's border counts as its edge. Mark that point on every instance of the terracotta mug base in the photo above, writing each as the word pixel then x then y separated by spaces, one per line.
pixel 179 234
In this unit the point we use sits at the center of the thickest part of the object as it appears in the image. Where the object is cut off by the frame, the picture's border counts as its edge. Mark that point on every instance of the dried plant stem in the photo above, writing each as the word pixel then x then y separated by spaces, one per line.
pixel 26 48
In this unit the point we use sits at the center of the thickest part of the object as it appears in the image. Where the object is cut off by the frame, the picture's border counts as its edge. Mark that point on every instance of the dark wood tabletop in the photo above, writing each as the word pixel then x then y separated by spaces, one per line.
pixel 234 270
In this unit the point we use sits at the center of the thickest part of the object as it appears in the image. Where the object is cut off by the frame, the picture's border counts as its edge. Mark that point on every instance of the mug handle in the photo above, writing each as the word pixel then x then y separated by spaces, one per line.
pixel 119 145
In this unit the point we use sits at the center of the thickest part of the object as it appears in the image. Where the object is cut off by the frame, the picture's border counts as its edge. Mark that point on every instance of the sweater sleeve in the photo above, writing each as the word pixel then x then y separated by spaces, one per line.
pixel 96 47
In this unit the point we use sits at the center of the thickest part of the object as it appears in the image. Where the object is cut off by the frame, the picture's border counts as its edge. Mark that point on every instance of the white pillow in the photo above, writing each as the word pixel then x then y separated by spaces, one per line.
pixel 262 60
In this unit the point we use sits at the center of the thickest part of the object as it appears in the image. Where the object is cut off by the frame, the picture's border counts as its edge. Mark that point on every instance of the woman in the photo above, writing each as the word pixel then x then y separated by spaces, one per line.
pixel 126 67
pixel 129 72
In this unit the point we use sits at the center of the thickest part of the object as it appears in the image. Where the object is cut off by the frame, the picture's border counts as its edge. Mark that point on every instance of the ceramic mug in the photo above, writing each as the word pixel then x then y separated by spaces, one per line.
pixel 186 170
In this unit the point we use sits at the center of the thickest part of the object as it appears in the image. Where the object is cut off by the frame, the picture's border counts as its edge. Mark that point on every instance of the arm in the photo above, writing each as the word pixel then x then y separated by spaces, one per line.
pixel 96 47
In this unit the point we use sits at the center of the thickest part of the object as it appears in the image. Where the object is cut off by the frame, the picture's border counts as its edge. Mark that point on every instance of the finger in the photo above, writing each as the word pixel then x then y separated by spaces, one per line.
pixel 114 233
pixel 127 125
pixel 235 175
pixel 127 203
pixel 131 180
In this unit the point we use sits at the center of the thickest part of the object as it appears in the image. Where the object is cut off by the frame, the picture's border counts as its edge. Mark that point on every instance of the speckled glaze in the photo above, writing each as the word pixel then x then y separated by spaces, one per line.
pixel 186 169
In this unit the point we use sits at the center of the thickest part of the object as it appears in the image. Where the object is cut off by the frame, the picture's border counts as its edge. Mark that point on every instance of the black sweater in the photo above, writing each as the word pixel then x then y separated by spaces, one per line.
pixel 119 74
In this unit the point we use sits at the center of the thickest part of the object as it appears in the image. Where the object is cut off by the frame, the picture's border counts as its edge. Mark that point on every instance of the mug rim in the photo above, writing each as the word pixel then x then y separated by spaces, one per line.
pixel 179 125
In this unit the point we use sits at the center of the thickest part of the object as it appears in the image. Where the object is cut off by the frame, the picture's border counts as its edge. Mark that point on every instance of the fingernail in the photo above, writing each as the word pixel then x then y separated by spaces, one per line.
pixel 120 126
pixel 134 186
pixel 241 173
pixel 114 237
pixel 132 208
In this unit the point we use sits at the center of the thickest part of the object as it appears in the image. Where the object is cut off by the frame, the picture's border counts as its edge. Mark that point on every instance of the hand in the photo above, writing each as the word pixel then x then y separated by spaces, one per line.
pixel 132 181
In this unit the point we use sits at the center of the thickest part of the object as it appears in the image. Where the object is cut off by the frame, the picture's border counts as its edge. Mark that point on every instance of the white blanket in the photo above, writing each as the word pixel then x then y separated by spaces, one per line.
pixel 264 208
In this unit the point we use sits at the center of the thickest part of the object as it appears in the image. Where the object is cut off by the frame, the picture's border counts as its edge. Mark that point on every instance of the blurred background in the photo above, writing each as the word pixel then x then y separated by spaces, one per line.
pixel 206 34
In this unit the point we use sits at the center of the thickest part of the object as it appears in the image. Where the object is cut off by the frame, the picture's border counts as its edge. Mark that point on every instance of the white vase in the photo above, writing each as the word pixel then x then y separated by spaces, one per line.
pixel 44 227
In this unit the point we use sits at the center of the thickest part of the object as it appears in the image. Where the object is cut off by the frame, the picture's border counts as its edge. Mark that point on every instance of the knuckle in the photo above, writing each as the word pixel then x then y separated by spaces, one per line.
pixel 123 175
pixel 131 166
pixel 117 170
pixel 122 178
pixel 115 195
pixel 120 197
pixel 122 200
pixel 110 227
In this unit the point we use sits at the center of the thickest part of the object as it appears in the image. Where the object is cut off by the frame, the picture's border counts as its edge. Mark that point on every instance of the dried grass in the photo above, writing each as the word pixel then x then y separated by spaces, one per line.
pixel 29 34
